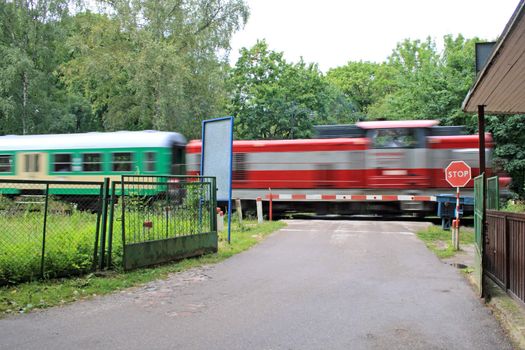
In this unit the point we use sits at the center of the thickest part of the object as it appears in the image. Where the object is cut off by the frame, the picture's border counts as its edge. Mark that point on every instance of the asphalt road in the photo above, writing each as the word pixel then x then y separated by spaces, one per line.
pixel 312 285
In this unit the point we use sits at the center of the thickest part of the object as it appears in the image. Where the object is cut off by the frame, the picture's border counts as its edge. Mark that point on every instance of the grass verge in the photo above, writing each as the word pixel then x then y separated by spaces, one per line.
pixel 39 295
pixel 440 242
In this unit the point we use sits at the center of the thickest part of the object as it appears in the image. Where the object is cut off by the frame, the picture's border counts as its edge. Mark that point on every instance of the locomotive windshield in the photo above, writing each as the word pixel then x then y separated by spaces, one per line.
pixel 394 138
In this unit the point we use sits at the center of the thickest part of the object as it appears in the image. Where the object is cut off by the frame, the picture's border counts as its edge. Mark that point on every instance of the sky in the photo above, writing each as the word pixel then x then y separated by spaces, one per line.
pixel 334 32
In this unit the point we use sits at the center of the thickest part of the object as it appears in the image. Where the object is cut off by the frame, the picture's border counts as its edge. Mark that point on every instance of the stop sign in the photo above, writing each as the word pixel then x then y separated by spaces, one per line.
pixel 457 173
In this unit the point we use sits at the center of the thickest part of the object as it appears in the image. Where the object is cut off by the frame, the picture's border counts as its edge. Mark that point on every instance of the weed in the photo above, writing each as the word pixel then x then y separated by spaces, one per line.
pixel 440 242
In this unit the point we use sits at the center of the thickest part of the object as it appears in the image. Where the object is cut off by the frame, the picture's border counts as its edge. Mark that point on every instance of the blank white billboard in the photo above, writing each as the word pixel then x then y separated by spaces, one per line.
pixel 216 156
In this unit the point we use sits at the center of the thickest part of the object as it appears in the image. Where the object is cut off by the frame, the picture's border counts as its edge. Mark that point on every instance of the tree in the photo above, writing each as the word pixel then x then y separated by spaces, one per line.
pixel 364 83
pixel 509 153
pixel 153 64
pixel 427 84
pixel 459 70
pixel 272 98
pixel 30 49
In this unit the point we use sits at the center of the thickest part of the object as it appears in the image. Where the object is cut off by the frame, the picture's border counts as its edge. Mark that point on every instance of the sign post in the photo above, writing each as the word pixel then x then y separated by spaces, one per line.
pixel 457 174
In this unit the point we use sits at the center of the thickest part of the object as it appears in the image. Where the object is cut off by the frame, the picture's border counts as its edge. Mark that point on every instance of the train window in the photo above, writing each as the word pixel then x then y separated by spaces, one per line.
pixel 149 161
pixel 6 161
pixel 122 161
pixel 63 162
pixel 239 166
pixel 394 138
pixel 92 162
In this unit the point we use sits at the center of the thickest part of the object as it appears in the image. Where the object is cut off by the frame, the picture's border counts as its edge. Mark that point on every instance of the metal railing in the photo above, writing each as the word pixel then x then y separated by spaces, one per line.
pixel 505 251
pixel 147 209
pixel 49 228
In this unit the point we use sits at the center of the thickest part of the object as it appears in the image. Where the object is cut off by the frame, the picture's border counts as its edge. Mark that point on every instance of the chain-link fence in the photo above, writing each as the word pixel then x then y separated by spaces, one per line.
pixel 150 214
pixel 49 228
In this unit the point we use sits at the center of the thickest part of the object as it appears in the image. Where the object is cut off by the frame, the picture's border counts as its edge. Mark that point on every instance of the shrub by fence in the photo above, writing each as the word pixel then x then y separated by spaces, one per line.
pixel 48 228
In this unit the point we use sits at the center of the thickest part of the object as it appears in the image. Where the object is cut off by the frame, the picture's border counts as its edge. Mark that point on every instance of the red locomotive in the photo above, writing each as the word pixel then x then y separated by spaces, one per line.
pixel 378 166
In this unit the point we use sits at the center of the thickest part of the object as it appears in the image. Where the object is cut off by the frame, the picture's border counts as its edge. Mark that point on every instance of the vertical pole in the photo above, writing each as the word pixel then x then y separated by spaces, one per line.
pixel 229 219
pixel 97 230
pixel 481 132
pixel 104 221
pixel 123 222
pixel 259 210
pixel 111 219
pixel 456 228
pixel 507 253
pixel 44 232
pixel 270 209
pixel 167 207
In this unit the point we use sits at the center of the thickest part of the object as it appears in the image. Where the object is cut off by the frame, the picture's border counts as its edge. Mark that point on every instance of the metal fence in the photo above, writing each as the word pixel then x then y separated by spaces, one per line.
pixel 49 228
pixel 479 184
pixel 505 251
pixel 155 219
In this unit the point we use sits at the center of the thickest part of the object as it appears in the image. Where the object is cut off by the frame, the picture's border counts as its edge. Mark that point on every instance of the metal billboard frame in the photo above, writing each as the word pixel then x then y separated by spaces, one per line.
pixel 220 179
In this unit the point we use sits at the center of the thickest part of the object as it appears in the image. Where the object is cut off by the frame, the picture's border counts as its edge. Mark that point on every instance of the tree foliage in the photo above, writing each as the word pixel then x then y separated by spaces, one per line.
pixel 416 82
pixel 30 49
pixel 509 135
pixel 147 64
pixel 153 64
pixel 272 98
pixel 364 83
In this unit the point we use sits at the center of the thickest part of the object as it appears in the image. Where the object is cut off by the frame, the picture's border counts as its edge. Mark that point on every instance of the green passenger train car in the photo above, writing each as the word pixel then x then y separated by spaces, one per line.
pixel 91 156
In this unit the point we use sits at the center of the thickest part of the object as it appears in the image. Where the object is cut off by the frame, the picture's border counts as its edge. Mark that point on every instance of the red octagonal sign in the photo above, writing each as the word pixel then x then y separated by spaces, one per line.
pixel 458 174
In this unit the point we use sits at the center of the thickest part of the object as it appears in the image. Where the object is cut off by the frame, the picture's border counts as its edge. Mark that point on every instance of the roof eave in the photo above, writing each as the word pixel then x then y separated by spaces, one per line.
pixel 467 106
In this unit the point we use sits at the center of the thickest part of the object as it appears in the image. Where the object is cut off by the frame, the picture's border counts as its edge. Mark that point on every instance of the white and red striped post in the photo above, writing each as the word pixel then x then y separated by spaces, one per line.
pixel 220 220
pixel 455 230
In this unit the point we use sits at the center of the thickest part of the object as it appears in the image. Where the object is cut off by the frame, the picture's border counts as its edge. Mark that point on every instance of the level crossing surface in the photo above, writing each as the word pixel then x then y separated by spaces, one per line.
pixel 312 285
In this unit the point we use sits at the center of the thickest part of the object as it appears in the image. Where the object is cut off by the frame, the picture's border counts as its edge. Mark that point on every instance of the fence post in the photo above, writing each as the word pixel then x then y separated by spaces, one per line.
pixel 44 232
pixel 213 206
pixel 123 222
pixel 110 229
pixel 507 252
pixel 97 231
pixel 104 221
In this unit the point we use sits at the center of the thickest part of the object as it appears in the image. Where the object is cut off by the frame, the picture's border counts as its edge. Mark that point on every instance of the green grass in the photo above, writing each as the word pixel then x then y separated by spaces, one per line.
pixel 69 244
pixel 42 294
pixel 440 242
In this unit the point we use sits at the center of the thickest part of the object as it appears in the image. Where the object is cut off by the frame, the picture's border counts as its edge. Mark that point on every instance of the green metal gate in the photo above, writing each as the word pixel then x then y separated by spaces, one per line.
pixel 493 193
pixel 479 183
pixel 162 218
